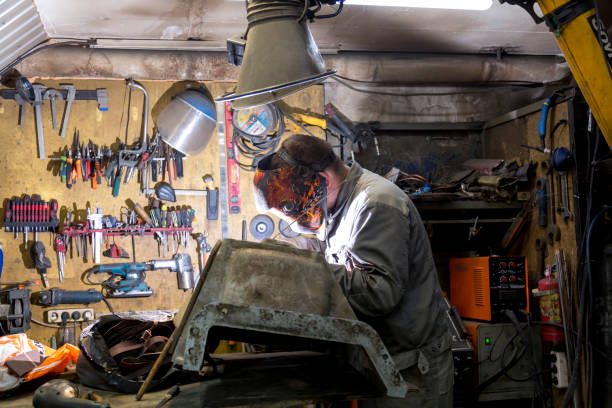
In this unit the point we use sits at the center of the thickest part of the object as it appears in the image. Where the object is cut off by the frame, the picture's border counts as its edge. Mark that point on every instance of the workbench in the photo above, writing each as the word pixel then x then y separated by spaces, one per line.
pixel 281 380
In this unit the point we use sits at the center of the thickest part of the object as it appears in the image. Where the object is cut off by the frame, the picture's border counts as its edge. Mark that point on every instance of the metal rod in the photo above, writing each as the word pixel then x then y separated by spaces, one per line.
pixel 150 191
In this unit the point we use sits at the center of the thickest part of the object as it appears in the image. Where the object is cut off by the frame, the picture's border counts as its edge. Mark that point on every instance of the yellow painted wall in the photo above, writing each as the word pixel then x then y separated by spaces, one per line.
pixel 23 173
pixel 527 246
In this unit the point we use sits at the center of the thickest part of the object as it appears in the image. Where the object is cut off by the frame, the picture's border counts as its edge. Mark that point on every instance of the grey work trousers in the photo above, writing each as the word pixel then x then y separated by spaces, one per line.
pixel 435 387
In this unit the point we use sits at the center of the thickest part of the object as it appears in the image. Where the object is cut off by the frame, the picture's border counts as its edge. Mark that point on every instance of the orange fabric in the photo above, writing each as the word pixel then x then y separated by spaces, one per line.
pixel 14 344
pixel 56 362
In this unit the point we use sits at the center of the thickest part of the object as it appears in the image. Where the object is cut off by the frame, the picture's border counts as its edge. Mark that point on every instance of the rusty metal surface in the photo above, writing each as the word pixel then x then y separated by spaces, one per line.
pixel 272 276
pixel 374 70
pixel 358 28
pixel 311 326
pixel 394 70
pixel 277 289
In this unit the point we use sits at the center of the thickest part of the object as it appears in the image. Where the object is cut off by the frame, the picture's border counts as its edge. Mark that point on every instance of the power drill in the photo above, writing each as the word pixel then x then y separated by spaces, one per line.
pixel 128 279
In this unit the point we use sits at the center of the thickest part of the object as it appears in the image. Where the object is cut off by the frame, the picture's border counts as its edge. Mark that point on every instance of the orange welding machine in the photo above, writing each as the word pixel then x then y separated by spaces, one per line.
pixel 482 287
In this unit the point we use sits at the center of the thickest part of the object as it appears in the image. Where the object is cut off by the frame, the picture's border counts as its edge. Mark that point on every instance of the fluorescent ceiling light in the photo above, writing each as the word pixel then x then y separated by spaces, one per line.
pixel 440 4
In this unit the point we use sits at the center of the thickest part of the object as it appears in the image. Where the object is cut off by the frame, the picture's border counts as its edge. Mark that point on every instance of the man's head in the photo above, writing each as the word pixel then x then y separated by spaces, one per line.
pixel 299 182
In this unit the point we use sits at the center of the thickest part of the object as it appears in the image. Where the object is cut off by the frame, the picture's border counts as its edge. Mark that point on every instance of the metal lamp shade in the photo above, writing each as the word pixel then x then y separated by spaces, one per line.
pixel 281 56
pixel 188 122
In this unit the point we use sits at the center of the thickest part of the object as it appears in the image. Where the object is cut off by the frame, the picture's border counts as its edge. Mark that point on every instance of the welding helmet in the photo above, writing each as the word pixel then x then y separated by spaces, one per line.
pixel 295 192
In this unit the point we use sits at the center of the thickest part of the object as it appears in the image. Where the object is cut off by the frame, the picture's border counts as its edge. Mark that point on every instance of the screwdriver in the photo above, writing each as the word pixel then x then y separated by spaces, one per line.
pixel 14 204
pixel 164 224
pixel 26 215
pixel 184 224
pixel 34 214
pixel 17 213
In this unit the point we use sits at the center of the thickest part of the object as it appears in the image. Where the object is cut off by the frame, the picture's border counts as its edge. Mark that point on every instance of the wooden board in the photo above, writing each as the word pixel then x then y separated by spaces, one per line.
pixel 275 382
pixel 24 173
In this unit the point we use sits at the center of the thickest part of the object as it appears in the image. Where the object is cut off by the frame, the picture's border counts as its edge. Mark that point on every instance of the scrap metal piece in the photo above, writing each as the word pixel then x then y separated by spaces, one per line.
pixel 276 290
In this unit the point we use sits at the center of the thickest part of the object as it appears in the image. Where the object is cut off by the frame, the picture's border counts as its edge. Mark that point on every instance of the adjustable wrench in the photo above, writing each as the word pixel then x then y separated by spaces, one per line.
pixel 560 208
pixel 37 102
pixel 567 214
pixel 553 231
pixel 22 106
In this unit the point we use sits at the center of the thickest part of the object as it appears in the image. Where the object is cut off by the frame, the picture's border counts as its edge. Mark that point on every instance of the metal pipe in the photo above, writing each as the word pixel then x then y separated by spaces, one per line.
pixel 150 191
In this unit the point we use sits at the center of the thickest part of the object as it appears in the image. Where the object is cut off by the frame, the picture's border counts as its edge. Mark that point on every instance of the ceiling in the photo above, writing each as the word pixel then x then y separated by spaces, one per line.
pixel 358 28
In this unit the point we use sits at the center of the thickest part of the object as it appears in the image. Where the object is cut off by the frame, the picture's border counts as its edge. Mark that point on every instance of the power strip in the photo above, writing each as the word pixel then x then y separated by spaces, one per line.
pixel 86 314
pixel 558 366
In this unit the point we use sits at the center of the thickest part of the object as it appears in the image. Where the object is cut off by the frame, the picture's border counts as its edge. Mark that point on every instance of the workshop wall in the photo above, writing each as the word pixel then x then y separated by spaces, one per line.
pixel 504 142
pixel 24 173
pixel 438 154
pixel 390 88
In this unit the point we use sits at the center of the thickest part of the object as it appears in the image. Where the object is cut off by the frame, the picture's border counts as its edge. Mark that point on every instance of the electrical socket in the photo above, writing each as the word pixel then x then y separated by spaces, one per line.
pixel 55 315
pixel 558 367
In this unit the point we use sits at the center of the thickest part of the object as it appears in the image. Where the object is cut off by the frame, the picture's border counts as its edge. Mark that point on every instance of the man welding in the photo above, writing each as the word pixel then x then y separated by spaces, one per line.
pixel 377 246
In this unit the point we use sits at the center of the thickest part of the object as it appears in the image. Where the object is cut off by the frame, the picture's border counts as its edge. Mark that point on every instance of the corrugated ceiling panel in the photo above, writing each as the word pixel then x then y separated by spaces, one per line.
pixel 20 29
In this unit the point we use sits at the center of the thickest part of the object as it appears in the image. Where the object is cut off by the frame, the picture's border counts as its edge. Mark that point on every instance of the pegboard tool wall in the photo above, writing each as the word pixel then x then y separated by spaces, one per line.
pixel 504 142
pixel 24 173
pixel 567 243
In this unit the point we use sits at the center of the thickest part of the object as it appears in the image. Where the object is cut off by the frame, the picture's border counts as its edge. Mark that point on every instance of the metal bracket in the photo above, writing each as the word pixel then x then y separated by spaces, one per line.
pixel 558 17
pixel 528 6
pixel 566 13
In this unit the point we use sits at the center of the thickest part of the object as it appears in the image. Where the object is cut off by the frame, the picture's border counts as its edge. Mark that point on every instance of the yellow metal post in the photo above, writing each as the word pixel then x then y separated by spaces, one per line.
pixel 585 57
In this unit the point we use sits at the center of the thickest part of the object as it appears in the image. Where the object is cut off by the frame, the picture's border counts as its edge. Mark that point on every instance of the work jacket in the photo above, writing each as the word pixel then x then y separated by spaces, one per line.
pixel 380 255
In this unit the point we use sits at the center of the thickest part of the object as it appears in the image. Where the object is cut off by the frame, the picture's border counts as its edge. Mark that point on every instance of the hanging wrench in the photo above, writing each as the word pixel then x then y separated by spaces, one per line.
pixel 69 99
pixel 22 106
pixel 52 95
pixel 553 231
pixel 37 102
pixel 560 208
pixel 562 161
pixel 567 214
